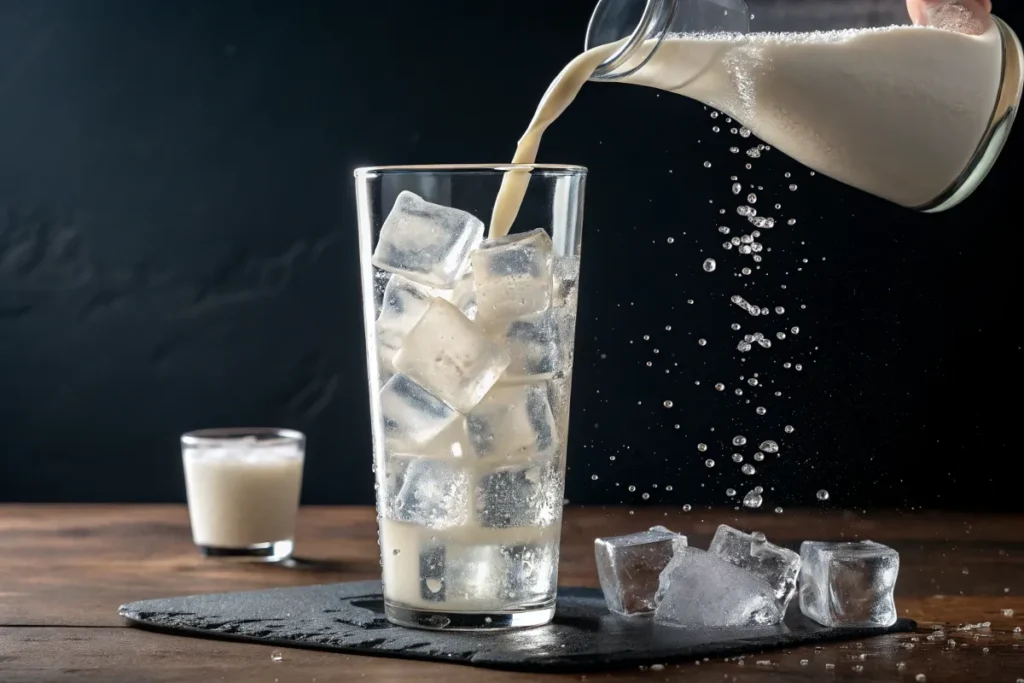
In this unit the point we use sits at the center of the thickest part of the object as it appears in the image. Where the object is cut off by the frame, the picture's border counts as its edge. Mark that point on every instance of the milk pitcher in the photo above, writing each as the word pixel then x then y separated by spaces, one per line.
pixel 915 115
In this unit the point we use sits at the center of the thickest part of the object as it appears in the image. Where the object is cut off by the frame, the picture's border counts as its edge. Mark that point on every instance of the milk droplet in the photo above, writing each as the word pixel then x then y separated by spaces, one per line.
pixel 822 494
pixel 710 265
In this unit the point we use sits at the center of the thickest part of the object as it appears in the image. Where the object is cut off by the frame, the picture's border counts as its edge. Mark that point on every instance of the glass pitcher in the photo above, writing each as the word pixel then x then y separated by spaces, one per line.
pixel 914 115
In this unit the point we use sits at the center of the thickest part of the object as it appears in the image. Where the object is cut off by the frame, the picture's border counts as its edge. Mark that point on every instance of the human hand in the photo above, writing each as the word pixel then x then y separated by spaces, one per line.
pixel 965 16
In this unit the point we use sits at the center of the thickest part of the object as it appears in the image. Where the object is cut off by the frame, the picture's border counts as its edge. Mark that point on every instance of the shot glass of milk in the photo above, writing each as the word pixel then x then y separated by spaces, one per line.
pixel 243 488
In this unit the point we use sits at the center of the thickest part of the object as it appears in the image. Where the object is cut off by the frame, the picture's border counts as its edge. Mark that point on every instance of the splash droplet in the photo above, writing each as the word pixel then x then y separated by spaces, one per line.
pixel 822 495
pixel 753 499
pixel 739 441
pixel 668 404
pixel 709 463
pixel 720 387
pixel 710 265
pixel 769 447
pixel 748 469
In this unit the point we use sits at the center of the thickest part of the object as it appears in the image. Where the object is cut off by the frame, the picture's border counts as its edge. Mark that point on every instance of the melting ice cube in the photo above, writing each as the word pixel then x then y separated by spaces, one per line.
pixel 848 584
pixel 776 566
pixel 513 275
pixel 629 566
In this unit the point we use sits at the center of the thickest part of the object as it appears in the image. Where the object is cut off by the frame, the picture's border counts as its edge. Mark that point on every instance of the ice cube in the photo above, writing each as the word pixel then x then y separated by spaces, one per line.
pixel 513 422
pixel 463 297
pixel 566 281
pixel 629 566
pixel 426 242
pixel 447 354
pixel 528 495
pixel 533 344
pixel 404 303
pixel 848 584
pixel 778 567
pixel 431 493
pixel 700 590
pixel 485 575
pixel 411 415
pixel 513 275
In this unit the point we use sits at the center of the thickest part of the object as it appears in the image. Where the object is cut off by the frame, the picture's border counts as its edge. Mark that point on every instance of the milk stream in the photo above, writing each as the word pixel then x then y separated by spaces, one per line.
pixel 897 112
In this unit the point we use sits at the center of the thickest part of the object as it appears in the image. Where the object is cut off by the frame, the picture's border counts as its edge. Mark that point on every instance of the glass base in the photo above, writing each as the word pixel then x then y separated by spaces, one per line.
pixel 275 551
pixel 415 617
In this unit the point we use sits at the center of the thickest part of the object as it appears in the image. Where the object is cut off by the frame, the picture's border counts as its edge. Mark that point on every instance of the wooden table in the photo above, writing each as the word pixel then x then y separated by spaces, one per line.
pixel 65 569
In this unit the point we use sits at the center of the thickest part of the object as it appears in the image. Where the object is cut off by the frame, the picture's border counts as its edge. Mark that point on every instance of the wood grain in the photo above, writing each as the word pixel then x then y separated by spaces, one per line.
pixel 65 569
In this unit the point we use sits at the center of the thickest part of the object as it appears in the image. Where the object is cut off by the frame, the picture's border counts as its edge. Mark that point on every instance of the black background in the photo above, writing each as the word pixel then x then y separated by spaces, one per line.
pixel 178 250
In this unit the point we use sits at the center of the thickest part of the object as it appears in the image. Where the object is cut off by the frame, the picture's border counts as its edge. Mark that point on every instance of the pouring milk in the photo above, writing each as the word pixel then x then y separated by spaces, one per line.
pixel 899 112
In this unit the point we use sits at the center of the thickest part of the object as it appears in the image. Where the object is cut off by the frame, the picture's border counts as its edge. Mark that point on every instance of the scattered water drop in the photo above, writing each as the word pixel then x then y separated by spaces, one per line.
pixel 702 342
pixel 748 470
pixel 702 447
pixel 687 508
pixel 645 496
pixel 276 656
pixel 739 441
pixel 671 240
pixel 795 330
pixel 737 457
pixel 759 456
pixel 761 410
pixel 1007 612
pixel 710 265
pixel 709 463
pixel 751 198
pixel 798 367
pixel 769 447
pixel 792 188
pixel 707 164
pixel 780 310
pixel 744 132
pixel 730 492
pixel 780 336
pixel 720 387
pixel 822 494
pixel 739 392
pixel 753 380
pixel 396 551
pixel 737 188
pixel 746 271
pixel 778 511
pixel 736 327
pixel 668 404
pixel 593 477
pixel 753 499
pixel 632 488
pixel 789 429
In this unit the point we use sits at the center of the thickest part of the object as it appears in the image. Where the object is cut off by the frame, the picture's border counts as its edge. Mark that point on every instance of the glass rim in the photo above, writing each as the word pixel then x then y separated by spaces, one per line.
pixel 539 169
pixel 218 436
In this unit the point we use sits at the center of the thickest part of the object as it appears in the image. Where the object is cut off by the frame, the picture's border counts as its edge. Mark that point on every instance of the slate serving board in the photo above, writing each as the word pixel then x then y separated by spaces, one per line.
pixel 349 617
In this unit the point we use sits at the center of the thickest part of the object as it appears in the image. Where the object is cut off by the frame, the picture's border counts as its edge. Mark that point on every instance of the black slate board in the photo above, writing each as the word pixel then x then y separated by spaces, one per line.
pixel 349 617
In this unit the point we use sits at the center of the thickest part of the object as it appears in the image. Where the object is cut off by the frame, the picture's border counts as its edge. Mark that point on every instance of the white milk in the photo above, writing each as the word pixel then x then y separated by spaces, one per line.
pixel 242 496
pixel 897 112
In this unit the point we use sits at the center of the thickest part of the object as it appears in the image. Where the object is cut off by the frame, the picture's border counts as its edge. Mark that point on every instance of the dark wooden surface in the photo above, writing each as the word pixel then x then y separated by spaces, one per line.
pixel 65 569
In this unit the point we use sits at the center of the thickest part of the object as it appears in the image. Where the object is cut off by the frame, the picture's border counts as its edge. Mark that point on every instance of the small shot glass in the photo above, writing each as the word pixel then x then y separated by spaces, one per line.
pixel 243 486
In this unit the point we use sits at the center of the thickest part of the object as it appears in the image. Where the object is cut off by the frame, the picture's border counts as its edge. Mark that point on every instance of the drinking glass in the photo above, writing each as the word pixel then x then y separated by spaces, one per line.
pixel 243 486
pixel 469 353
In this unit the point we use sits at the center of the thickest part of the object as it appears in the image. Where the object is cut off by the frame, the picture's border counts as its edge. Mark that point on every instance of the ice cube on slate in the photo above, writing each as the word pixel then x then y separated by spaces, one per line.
pixel 533 345
pixel 426 242
pixel 629 566
pixel 513 275
pixel 778 567
pixel 411 415
pixel 848 584
pixel 701 590
pixel 432 493
pixel 513 422
pixel 404 303
pixel 528 495
pixel 449 356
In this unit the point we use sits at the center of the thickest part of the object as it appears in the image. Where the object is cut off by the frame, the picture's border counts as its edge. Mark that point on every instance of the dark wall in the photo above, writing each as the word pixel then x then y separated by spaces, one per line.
pixel 178 250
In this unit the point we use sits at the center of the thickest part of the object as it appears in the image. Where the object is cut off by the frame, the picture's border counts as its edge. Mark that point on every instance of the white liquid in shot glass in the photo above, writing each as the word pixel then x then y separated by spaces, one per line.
pixel 243 494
